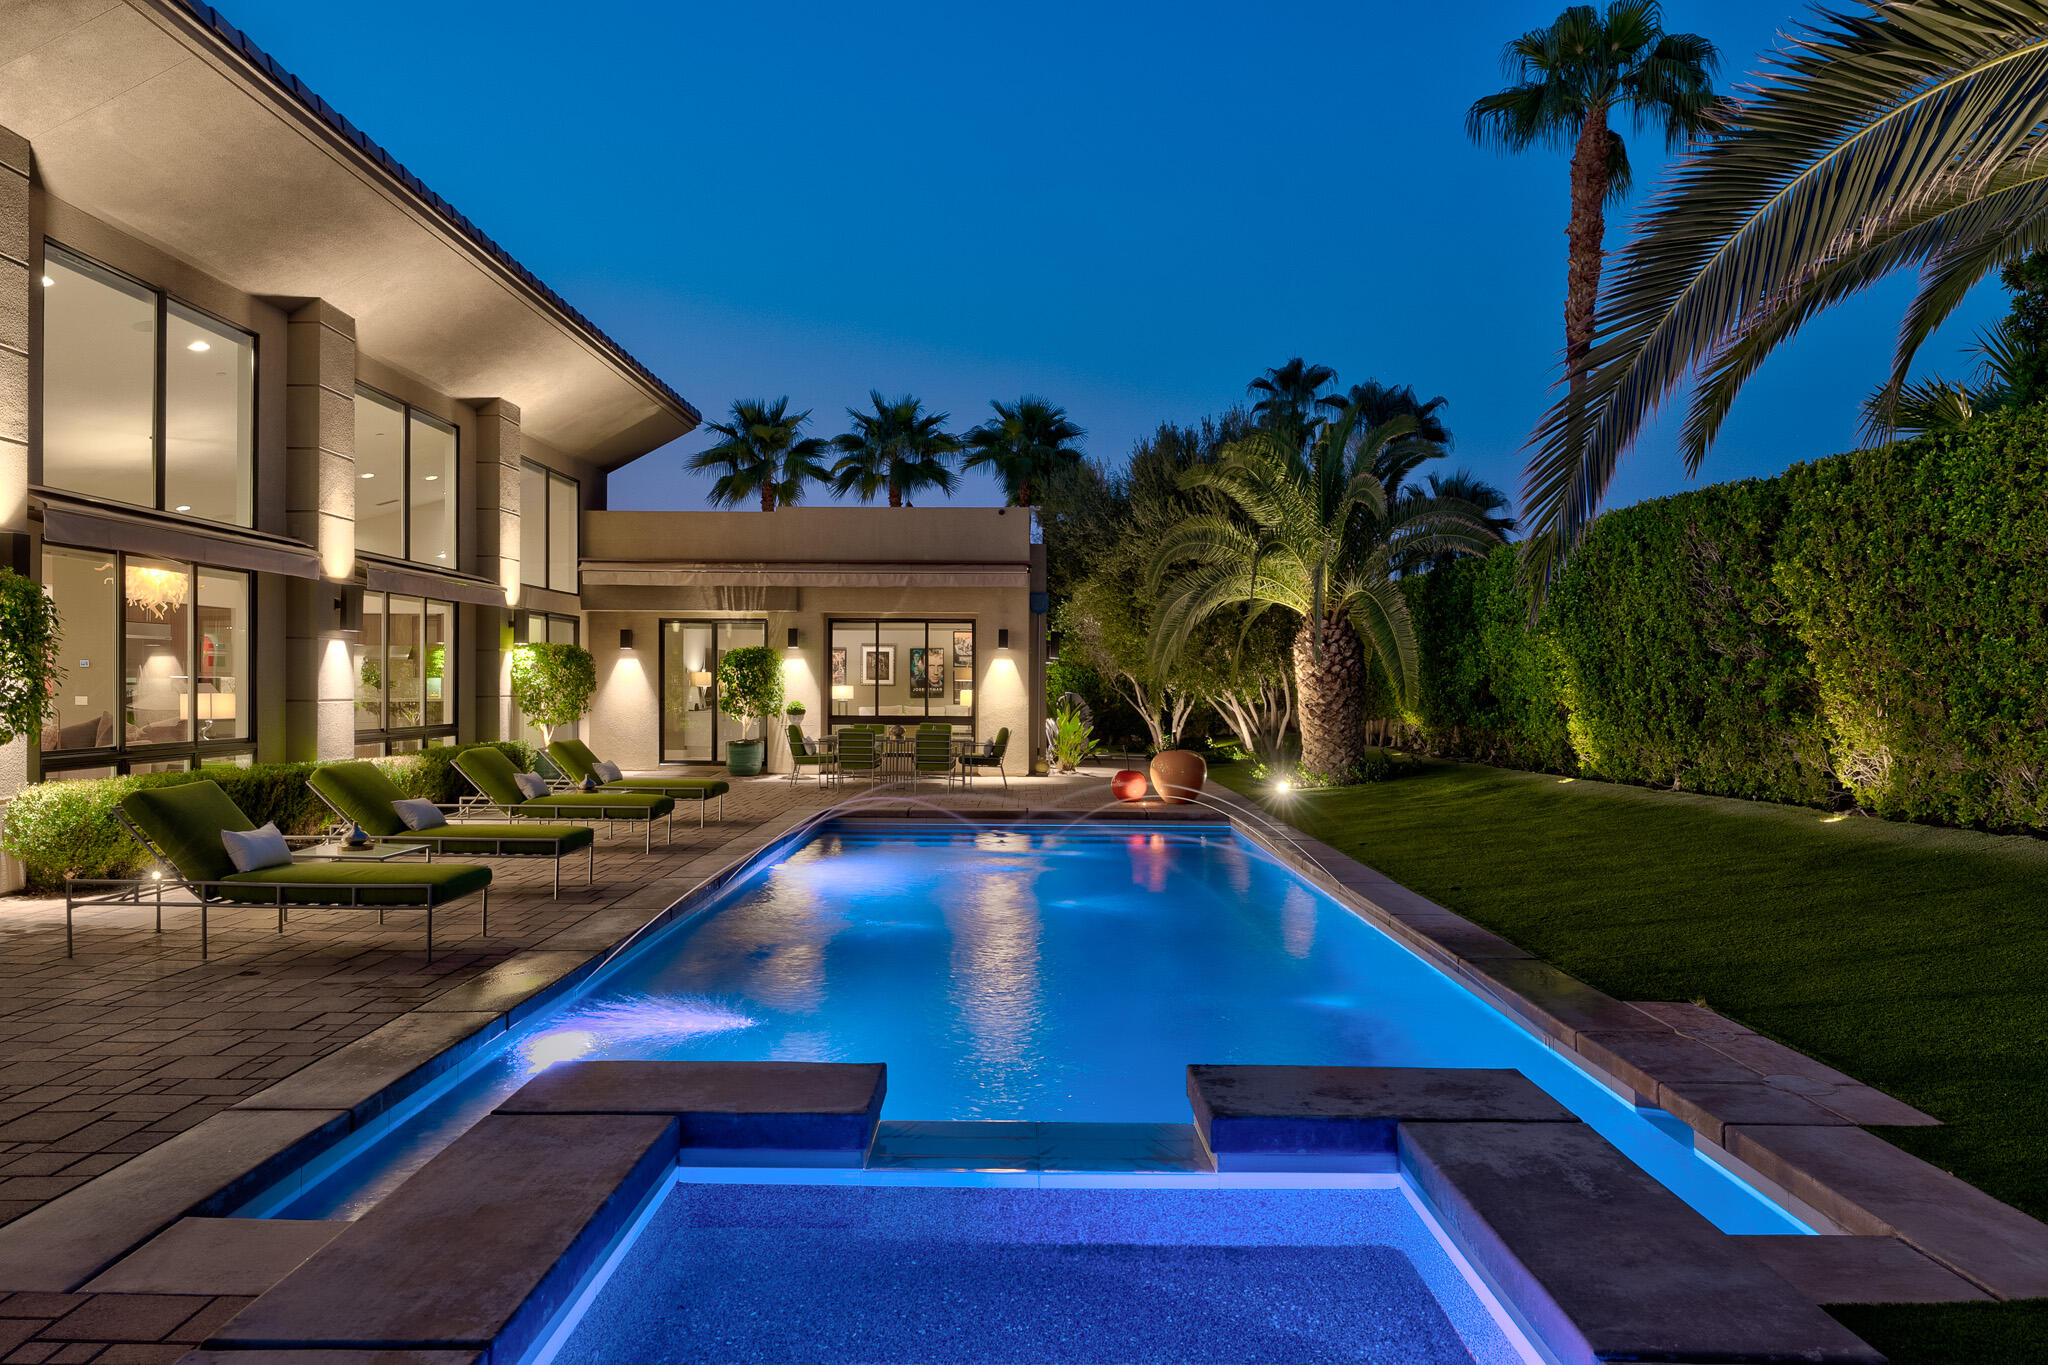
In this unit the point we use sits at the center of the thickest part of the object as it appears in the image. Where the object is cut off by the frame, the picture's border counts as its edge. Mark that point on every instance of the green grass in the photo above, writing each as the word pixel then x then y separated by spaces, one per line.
pixel 1910 957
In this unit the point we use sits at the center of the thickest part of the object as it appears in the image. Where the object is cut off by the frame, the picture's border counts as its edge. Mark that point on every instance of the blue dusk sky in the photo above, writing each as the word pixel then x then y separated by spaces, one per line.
pixel 1131 209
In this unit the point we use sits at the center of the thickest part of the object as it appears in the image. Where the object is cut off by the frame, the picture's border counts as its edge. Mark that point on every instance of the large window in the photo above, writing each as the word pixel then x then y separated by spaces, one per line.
pixel 405 675
pixel 405 482
pixel 901 670
pixel 145 400
pixel 156 658
pixel 548 544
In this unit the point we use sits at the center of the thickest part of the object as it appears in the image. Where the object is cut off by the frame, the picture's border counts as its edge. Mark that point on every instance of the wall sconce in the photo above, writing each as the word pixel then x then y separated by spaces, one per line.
pixel 792 637
pixel 1003 638
pixel 345 609
pixel 625 639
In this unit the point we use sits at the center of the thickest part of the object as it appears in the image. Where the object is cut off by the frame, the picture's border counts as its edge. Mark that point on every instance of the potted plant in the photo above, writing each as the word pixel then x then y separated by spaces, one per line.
pixel 551 685
pixel 1177 772
pixel 749 690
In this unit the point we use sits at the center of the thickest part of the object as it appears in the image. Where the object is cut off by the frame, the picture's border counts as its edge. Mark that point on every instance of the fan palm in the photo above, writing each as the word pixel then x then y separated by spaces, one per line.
pixel 763 455
pixel 1569 81
pixel 1027 444
pixel 1288 395
pixel 1915 135
pixel 1914 409
pixel 1312 531
pixel 898 448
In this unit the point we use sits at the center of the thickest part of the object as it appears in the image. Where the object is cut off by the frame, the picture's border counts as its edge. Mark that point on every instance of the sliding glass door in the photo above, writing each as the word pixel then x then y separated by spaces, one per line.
pixel 692 728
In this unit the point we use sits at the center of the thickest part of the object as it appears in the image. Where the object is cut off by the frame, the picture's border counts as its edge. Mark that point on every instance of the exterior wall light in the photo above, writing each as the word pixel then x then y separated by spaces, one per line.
pixel 1003 638
pixel 625 639
pixel 792 637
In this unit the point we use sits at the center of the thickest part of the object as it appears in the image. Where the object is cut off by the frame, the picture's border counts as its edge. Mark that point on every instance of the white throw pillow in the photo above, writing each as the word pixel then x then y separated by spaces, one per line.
pixel 254 849
pixel 419 814
pixel 606 772
pixel 533 785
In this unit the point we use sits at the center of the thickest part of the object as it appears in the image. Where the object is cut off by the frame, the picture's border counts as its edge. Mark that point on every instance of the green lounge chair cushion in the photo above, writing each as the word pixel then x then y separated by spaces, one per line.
pixel 574 757
pixel 492 773
pixel 185 822
pixel 476 840
pixel 599 805
pixel 406 882
pixel 363 794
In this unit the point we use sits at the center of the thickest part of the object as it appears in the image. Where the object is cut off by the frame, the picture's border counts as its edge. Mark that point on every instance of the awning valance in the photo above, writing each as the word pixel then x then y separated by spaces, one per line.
pixel 93 527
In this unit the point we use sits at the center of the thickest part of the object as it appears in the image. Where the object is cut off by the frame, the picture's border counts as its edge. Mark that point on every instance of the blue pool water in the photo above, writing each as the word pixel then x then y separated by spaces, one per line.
pixel 1051 976
pixel 727 1271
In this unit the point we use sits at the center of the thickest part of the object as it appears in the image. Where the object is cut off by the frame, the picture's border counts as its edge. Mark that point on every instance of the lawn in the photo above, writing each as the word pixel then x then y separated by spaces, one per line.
pixel 1911 957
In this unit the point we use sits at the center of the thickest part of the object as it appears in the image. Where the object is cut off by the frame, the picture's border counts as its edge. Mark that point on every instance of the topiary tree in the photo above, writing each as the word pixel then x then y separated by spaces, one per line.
pixel 551 685
pixel 750 683
pixel 29 631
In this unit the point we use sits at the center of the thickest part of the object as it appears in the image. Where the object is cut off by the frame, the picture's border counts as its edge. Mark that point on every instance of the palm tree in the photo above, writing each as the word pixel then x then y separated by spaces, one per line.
pixel 763 455
pixel 1313 532
pixel 898 447
pixel 1377 402
pixel 1288 395
pixel 1465 486
pixel 1569 81
pixel 1898 411
pixel 1907 137
pixel 1027 444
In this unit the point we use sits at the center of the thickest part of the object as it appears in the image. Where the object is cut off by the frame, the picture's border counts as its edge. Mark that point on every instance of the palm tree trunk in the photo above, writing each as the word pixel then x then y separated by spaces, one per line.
pixel 895 496
pixel 767 496
pixel 1586 238
pixel 1332 699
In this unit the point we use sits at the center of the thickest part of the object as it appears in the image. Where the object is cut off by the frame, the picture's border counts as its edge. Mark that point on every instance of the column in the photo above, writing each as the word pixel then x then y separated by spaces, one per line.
pixel 15 293
pixel 497 557
pixel 320 509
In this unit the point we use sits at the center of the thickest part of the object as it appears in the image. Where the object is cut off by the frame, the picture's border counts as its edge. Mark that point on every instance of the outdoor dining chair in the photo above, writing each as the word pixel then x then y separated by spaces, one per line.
pixel 859 755
pixel 802 756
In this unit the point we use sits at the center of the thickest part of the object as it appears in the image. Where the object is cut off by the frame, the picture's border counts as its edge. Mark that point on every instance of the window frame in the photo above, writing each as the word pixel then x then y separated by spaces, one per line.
pixel 160 377
pixel 121 755
pixel 834 717
pixel 549 477
pixel 406 413
pixel 421 736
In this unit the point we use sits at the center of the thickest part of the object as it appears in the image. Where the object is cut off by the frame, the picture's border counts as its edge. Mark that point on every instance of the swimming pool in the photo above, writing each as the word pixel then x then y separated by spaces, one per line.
pixel 1059 975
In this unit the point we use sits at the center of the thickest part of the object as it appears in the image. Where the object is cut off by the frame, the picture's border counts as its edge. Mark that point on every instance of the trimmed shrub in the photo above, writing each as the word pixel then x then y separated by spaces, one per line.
pixel 1869 628
pixel 67 829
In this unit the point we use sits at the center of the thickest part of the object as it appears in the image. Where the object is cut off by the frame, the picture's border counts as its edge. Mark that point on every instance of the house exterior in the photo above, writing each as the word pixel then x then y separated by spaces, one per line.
pixel 301 454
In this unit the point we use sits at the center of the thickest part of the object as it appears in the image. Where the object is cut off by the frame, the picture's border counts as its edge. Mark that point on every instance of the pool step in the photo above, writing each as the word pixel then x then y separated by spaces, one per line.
pixel 1037 1147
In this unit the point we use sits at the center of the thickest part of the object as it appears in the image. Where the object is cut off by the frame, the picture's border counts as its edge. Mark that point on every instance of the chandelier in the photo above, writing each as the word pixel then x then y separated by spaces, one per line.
pixel 156 591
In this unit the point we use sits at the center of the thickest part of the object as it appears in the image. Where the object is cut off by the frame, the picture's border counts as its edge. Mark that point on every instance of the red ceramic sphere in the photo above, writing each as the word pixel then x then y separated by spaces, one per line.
pixel 1128 785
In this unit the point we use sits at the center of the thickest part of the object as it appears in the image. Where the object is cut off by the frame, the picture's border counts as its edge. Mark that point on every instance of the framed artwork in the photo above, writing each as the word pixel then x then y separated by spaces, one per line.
pixel 963 651
pixel 839 666
pixel 927 672
pixel 878 664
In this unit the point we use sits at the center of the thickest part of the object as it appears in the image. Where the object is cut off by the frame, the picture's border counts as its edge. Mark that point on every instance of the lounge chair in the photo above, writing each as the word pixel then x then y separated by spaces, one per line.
pixel 491 773
pixel 972 763
pixel 361 795
pixel 802 757
pixel 573 757
pixel 180 826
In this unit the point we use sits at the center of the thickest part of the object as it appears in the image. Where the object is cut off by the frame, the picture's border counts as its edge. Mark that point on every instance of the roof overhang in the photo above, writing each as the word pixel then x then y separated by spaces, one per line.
pixel 158 117
pixel 637 574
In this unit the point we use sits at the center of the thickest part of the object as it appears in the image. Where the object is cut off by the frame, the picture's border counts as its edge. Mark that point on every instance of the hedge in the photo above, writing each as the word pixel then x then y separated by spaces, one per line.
pixel 1869 629
pixel 67 828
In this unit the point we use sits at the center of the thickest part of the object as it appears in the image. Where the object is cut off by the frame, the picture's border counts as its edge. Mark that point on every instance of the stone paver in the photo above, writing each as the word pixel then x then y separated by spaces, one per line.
pixel 825 1109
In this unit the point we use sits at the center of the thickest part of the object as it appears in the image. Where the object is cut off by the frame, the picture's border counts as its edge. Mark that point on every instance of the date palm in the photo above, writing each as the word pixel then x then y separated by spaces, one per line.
pixel 1027 445
pixel 1571 81
pixel 899 448
pixel 1912 136
pixel 764 454
pixel 1309 529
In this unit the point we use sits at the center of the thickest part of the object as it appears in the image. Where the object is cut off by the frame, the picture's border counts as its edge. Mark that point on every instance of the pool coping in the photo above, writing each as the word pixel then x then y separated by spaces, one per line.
pixel 1837 1176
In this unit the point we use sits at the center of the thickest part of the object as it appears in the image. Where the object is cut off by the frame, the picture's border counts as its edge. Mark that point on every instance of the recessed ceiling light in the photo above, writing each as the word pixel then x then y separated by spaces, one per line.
pixel 442 555
pixel 198 346
pixel 47 281
pixel 184 507
pixel 366 476
pixel 432 477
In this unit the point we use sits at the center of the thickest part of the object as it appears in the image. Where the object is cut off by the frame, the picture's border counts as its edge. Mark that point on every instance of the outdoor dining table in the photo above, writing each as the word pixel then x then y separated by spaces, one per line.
pixel 899 755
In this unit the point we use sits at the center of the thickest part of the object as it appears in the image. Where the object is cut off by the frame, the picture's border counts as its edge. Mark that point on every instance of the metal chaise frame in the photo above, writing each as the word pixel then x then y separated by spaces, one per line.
pixel 205 894
pixel 343 824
